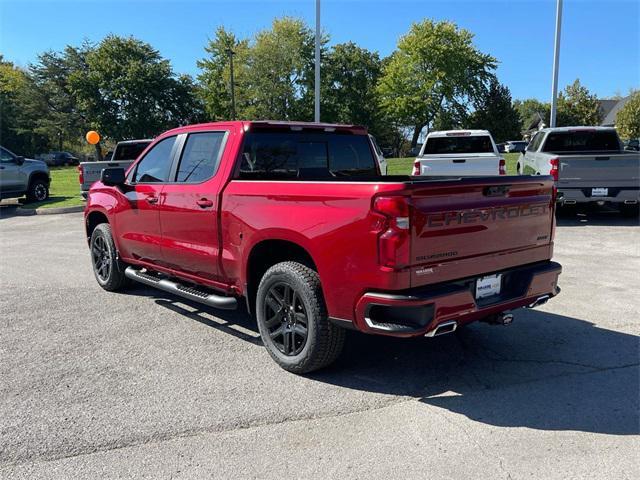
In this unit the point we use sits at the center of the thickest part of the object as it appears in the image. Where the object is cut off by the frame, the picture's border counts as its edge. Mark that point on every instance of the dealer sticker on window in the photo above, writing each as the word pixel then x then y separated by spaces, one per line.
pixel 488 286
pixel 599 192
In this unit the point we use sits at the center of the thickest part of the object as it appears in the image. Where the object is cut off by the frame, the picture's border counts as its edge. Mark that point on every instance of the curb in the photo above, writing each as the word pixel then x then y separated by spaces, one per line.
pixel 49 211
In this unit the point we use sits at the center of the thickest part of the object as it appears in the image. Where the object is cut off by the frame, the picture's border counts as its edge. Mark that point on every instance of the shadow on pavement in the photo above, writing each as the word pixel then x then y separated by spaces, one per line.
pixel 582 216
pixel 546 371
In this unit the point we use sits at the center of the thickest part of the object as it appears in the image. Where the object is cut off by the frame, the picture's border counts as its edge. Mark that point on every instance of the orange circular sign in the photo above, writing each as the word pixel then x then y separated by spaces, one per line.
pixel 92 137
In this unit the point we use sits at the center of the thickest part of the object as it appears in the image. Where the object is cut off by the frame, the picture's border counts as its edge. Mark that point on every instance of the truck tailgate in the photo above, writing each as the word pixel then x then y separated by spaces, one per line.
pixel 604 170
pixel 469 218
pixel 91 171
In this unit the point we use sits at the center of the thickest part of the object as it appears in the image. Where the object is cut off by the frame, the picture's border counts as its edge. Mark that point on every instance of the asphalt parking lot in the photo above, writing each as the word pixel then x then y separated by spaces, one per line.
pixel 144 385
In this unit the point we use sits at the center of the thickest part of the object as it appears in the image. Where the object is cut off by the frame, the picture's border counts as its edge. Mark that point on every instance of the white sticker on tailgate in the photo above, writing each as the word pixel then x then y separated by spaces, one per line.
pixel 599 192
pixel 488 286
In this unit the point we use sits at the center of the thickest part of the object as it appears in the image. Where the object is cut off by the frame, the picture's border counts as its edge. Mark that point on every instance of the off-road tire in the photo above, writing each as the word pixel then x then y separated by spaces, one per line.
pixel 324 340
pixel 38 190
pixel 111 277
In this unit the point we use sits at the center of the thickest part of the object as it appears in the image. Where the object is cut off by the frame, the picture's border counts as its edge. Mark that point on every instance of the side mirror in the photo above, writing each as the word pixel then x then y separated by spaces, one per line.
pixel 114 176
pixel 19 160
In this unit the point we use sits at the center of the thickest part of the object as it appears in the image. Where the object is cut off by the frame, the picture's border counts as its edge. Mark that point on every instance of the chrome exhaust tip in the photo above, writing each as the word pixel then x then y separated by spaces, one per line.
pixel 631 202
pixel 569 202
pixel 443 329
pixel 539 301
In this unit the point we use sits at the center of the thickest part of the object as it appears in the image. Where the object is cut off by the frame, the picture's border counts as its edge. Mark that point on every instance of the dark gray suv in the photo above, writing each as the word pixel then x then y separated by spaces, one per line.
pixel 21 176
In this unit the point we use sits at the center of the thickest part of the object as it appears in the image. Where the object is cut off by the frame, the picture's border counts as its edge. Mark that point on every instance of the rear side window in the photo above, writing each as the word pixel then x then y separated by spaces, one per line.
pixel 444 145
pixel 129 151
pixel 156 164
pixel 582 141
pixel 200 157
pixel 286 155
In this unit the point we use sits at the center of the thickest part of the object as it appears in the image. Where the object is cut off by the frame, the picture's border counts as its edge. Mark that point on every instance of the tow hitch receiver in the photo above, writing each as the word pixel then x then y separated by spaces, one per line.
pixel 503 318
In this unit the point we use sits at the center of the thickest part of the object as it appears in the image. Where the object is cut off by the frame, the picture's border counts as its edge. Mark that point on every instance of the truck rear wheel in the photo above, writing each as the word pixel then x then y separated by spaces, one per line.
pixel 293 320
pixel 108 270
pixel 629 211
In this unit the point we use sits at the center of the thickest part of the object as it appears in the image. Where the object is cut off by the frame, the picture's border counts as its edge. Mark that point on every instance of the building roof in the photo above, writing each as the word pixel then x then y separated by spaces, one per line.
pixel 610 109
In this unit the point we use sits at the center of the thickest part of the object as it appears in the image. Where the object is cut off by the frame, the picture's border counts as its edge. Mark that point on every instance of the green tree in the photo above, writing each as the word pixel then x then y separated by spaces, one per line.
pixel 628 119
pixel 129 91
pixel 495 112
pixel 349 76
pixel 215 76
pixel 577 106
pixel 280 71
pixel 435 67
pixel 527 110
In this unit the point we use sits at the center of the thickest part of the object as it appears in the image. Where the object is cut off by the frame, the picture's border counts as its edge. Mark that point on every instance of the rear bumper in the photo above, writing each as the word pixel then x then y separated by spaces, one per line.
pixel 570 196
pixel 419 311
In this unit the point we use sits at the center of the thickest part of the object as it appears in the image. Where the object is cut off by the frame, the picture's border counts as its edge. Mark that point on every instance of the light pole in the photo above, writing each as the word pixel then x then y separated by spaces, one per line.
pixel 317 70
pixel 556 59
pixel 230 52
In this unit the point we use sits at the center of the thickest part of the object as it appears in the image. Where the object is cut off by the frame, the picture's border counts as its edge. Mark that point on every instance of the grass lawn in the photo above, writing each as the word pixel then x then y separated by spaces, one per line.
pixel 64 190
pixel 403 166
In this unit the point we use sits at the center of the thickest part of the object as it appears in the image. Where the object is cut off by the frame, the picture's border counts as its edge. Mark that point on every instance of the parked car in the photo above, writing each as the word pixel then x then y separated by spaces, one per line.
pixel 500 147
pixel 382 162
pixel 59 159
pixel 515 146
pixel 633 145
pixel 467 153
pixel 296 218
pixel 21 176
pixel 588 164
pixel 123 156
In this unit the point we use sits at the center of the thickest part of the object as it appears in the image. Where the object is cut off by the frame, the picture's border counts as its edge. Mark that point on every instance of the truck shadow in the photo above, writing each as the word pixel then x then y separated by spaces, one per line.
pixel 593 216
pixel 546 371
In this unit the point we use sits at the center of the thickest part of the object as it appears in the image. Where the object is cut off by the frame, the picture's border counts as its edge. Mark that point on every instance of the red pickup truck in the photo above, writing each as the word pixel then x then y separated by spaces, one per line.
pixel 296 218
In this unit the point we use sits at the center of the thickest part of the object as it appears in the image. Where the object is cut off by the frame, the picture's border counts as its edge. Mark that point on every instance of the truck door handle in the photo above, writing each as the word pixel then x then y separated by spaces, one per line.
pixel 152 200
pixel 204 203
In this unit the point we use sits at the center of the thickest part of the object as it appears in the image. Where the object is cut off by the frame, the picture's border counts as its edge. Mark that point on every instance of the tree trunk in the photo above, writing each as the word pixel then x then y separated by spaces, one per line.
pixel 99 157
pixel 416 134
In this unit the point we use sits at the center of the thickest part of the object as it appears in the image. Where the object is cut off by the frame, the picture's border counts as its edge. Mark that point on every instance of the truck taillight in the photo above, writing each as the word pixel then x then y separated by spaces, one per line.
pixel 394 238
pixel 80 175
pixel 555 168
pixel 502 167
pixel 416 168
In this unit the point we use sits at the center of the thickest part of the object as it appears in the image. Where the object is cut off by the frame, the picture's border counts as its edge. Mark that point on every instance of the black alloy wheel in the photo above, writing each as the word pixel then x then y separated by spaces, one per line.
pixel 286 319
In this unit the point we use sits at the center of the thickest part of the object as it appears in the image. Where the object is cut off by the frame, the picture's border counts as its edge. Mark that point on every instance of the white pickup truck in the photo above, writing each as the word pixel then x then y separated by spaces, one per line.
pixel 588 164
pixel 462 153
pixel 123 156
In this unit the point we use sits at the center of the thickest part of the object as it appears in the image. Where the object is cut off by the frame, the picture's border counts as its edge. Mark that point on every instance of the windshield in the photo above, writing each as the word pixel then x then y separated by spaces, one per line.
pixel 582 141
pixel 278 155
pixel 444 145
pixel 129 151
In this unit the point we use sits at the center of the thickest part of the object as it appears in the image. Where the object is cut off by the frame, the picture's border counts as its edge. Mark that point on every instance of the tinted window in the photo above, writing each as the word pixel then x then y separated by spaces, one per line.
pixel 582 141
pixel 156 164
pixel 305 155
pixel 535 142
pixel 444 145
pixel 129 151
pixel 200 157
pixel 5 155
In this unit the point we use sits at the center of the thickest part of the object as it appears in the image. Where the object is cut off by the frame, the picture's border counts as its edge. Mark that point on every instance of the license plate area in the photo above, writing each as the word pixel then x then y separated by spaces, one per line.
pixel 599 192
pixel 488 286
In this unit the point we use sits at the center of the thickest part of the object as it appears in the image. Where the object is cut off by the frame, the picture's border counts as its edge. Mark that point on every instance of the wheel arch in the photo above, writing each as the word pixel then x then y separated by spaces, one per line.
pixel 93 219
pixel 38 175
pixel 264 255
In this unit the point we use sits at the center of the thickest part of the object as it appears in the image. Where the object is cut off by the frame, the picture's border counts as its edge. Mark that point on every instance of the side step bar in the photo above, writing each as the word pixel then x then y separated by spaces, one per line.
pixel 190 293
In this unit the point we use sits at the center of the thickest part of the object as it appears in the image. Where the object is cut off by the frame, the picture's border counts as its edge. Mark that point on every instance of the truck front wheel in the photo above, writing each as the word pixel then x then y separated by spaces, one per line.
pixel 108 270
pixel 293 320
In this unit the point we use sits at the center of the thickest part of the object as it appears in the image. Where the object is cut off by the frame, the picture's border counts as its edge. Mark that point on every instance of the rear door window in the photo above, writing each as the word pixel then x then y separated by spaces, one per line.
pixel 200 157
pixel 284 155
pixel 458 145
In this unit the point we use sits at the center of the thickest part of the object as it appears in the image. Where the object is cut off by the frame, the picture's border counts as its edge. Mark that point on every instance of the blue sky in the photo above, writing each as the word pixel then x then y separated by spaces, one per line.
pixel 600 39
